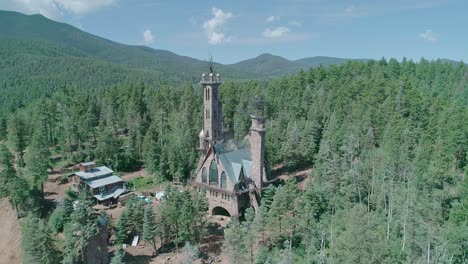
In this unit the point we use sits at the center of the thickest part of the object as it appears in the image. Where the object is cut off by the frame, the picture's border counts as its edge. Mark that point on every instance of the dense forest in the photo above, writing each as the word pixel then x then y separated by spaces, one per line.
pixel 387 141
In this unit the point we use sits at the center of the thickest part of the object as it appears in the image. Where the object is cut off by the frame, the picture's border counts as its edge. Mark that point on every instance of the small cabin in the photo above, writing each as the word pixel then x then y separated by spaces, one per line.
pixel 99 181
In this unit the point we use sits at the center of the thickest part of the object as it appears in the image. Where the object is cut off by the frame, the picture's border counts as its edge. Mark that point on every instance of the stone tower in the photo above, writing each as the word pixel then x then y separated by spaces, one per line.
pixel 212 115
pixel 257 144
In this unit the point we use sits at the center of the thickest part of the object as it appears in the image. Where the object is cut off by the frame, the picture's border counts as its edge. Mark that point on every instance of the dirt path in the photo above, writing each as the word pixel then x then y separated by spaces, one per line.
pixel 10 235
pixel 210 247
pixel 302 176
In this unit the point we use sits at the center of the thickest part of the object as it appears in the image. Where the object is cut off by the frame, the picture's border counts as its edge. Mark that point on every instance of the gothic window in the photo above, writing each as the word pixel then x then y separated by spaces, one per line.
pixel 203 175
pixel 241 180
pixel 213 173
pixel 223 180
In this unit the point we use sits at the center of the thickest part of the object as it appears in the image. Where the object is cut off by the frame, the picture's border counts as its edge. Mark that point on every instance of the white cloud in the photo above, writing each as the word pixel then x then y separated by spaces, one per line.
pixel 83 6
pixel 295 23
pixel 213 27
pixel 148 37
pixel 428 35
pixel 55 9
pixel 271 19
pixel 350 9
pixel 276 33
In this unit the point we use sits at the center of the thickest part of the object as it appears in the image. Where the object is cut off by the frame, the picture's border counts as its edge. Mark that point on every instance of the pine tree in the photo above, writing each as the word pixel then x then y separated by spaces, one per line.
pixel 18 135
pixel 118 256
pixel 7 171
pixel 38 243
pixel 38 159
pixel 234 242
pixel 149 227
pixel 190 253
pixel 250 235
pixel 82 226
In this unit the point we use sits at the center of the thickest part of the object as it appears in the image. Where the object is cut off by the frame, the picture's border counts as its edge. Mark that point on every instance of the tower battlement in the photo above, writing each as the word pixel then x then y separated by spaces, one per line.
pixel 210 78
pixel 213 118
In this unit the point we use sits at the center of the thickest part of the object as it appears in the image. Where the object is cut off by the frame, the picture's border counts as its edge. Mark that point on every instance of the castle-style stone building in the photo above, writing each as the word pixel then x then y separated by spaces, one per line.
pixel 232 172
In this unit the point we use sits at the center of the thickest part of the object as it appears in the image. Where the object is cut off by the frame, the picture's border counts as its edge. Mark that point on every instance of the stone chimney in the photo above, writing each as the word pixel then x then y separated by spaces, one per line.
pixel 257 145
pixel 86 166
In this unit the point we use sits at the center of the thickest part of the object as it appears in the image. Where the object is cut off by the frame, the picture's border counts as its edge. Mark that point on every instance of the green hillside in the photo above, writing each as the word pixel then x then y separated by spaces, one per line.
pixel 40 55
pixel 38 27
pixel 268 65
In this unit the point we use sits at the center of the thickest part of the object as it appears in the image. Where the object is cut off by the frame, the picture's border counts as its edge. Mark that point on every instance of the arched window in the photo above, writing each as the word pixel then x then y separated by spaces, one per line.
pixel 213 173
pixel 204 177
pixel 208 94
pixel 223 180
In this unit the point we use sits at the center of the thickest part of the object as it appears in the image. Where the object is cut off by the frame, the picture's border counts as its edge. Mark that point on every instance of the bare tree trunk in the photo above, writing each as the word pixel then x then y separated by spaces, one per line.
pixel 322 244
pixel 428 251
pixel 404 229
pixel 331 232
pixel 17 212
pixel 405 217
pixel 390 209
pixel 372 184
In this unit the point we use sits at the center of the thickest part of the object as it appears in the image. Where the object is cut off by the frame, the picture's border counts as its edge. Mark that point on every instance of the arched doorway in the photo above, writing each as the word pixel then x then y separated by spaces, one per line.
pixel 218 210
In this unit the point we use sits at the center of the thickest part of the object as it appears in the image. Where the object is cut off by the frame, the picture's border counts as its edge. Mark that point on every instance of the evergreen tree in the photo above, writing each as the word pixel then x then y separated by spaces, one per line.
pixel 234 242
pixel 82 226
pixel 38 159
pixel 38 244
pixel 7 171
pixel 190 253
pixel 18 135
pixel 118 256
pixel 149 227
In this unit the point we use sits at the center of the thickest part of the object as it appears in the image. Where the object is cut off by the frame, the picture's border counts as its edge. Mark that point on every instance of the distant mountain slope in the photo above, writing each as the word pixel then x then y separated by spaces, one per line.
pixel 32 68
pixel 37 27
pixel 43 54
pixel 322 60
pixel 268 65
pixel 271 65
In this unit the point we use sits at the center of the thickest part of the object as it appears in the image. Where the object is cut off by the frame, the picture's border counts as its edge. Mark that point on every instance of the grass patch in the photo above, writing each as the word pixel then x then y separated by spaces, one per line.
pixel 139 183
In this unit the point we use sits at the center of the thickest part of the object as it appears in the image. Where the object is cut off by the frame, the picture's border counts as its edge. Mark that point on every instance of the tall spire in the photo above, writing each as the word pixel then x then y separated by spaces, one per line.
pixel 257 143
pixel 212 115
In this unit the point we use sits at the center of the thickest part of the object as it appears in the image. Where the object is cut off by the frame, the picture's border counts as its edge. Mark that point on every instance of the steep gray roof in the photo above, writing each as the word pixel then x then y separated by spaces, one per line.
pixel 114 193
pixel 96 183
pixel 94 173
pixel 234 155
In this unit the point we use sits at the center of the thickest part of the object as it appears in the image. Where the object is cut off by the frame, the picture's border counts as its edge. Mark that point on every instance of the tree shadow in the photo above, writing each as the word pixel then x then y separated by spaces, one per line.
pixel 49 193
pixel 212 242
pixel 131 259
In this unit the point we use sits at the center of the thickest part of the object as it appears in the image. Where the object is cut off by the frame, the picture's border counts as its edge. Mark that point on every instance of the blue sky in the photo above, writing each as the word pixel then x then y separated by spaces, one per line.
pixel 232 31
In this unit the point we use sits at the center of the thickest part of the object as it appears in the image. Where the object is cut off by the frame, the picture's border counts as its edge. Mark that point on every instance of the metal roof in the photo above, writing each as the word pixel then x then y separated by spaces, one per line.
pixel 114 193
pixel 94 173
pixel 103 181
pixel 87 163
pixel 234 155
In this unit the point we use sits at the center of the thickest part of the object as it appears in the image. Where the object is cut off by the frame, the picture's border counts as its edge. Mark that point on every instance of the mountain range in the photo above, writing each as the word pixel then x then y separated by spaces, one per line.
pixel 38 32
pixel 39 56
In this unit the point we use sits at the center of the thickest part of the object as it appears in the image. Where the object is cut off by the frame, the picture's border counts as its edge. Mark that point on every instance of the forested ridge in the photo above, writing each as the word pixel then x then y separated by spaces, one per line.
pixel 387 142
